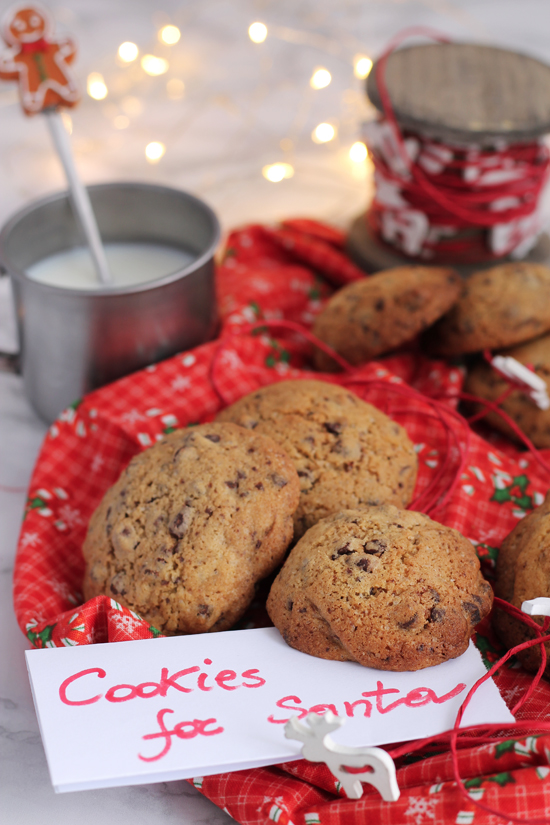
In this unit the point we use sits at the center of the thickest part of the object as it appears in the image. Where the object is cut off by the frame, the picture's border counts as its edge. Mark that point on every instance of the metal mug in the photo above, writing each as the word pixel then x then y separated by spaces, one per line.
pixel 74 340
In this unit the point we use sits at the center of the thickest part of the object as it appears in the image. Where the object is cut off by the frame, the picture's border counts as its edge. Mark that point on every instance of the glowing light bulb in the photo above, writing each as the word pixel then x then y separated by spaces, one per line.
pixel 323 133
pixel 320 78
pixel 175 88
pixel 96 87
pixel 358 152
pixel 121 122
pixel 154 151
pixel 257 32
pixel 128 51
pixel 362 66
pixel 276 172
pixel 169 35
pixel 154 65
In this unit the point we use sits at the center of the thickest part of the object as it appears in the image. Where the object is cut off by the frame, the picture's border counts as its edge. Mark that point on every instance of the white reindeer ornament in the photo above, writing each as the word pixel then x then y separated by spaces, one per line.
pixel 536 607
pixel 379 769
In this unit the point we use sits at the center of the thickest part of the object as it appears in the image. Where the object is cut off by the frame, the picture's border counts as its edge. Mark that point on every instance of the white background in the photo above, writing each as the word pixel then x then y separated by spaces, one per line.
pixel 241 100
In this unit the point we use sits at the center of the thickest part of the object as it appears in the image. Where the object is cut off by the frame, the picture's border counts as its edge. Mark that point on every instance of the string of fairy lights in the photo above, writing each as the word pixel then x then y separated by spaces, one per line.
pixel 155 66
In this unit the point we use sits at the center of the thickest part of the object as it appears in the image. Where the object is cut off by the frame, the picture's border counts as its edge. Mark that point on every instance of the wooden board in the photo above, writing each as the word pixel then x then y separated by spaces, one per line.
pixel 466 92
pixel 368 253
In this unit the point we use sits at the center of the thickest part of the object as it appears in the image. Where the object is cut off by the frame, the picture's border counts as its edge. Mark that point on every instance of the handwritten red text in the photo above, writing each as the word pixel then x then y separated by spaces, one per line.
pixel 85 692
pixel 416 698
pixel 183 730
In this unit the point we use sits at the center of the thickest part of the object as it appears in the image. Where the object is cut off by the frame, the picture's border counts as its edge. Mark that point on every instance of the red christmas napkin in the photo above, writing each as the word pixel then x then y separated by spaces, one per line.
pixel 271 285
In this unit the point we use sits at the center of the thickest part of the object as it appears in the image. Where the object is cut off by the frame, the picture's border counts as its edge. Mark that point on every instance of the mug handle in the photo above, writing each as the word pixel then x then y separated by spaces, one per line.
pixel 9 361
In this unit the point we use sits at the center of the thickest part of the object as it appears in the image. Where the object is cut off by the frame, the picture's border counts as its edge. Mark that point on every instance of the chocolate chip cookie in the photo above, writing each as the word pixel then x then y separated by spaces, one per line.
pixel 523 572
pixel 485 382
pixel 347 453
pixel 388 588
pixel 498 307
pixel 190 527
pixel 377 314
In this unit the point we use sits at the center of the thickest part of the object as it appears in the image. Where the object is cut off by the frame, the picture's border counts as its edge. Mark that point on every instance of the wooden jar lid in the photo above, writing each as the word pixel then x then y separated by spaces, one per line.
pixel 466 93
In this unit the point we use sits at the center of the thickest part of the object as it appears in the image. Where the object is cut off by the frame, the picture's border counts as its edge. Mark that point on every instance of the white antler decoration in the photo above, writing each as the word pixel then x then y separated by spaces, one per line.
pixel 536 607
pixel 529 382
pixel 319 747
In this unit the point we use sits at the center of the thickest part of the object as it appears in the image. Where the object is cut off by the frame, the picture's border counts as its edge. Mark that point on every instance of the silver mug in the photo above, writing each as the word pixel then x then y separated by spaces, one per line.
pixel 74 340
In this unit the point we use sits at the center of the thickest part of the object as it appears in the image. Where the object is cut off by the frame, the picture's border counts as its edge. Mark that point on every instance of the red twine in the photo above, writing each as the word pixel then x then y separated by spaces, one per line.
pixel 467 732
pixel 432 199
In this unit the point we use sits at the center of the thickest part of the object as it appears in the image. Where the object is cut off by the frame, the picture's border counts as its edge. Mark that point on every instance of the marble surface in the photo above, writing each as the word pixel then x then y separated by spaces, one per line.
pixel 240 101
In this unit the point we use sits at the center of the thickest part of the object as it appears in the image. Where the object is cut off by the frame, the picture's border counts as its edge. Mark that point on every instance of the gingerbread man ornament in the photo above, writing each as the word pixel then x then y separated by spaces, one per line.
pixel 37 60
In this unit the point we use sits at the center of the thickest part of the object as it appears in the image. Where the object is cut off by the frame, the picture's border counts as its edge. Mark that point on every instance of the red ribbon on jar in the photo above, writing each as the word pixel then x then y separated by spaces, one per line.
pixel 457 202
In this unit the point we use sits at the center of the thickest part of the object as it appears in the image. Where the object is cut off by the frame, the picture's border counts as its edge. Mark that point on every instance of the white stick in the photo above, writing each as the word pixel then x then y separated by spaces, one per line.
pixel 79 196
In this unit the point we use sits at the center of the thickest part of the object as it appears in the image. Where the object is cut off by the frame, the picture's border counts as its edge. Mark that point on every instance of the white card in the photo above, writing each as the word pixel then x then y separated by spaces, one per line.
pixel 172 708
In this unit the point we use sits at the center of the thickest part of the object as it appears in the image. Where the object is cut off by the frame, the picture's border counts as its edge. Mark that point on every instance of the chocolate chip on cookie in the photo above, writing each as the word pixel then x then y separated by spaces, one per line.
pixel 191 525
pixel 388 588
pixel 377 314
pixel 346 452
pixel 498 307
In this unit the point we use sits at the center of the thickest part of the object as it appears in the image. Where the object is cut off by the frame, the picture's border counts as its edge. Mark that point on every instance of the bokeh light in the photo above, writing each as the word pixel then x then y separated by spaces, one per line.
pixel 257 32
pixel 128 51
pixel 169 35
pixel 96 87
pixel 358 152
pixel 362 66
pixel 276 172
pixel 121 122
pixel 320 78
pixel 154 65
pixel 323 133
pixel 154 151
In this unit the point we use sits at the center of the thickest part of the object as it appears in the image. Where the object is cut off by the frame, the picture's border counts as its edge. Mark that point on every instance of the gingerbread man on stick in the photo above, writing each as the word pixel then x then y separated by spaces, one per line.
pixel 40 64
pixel 37 60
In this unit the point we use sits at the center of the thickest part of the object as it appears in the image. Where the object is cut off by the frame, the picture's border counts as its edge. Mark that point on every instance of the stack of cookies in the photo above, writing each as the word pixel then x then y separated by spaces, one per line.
pixel 504 309
pixel 195 522
pixel 308 469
